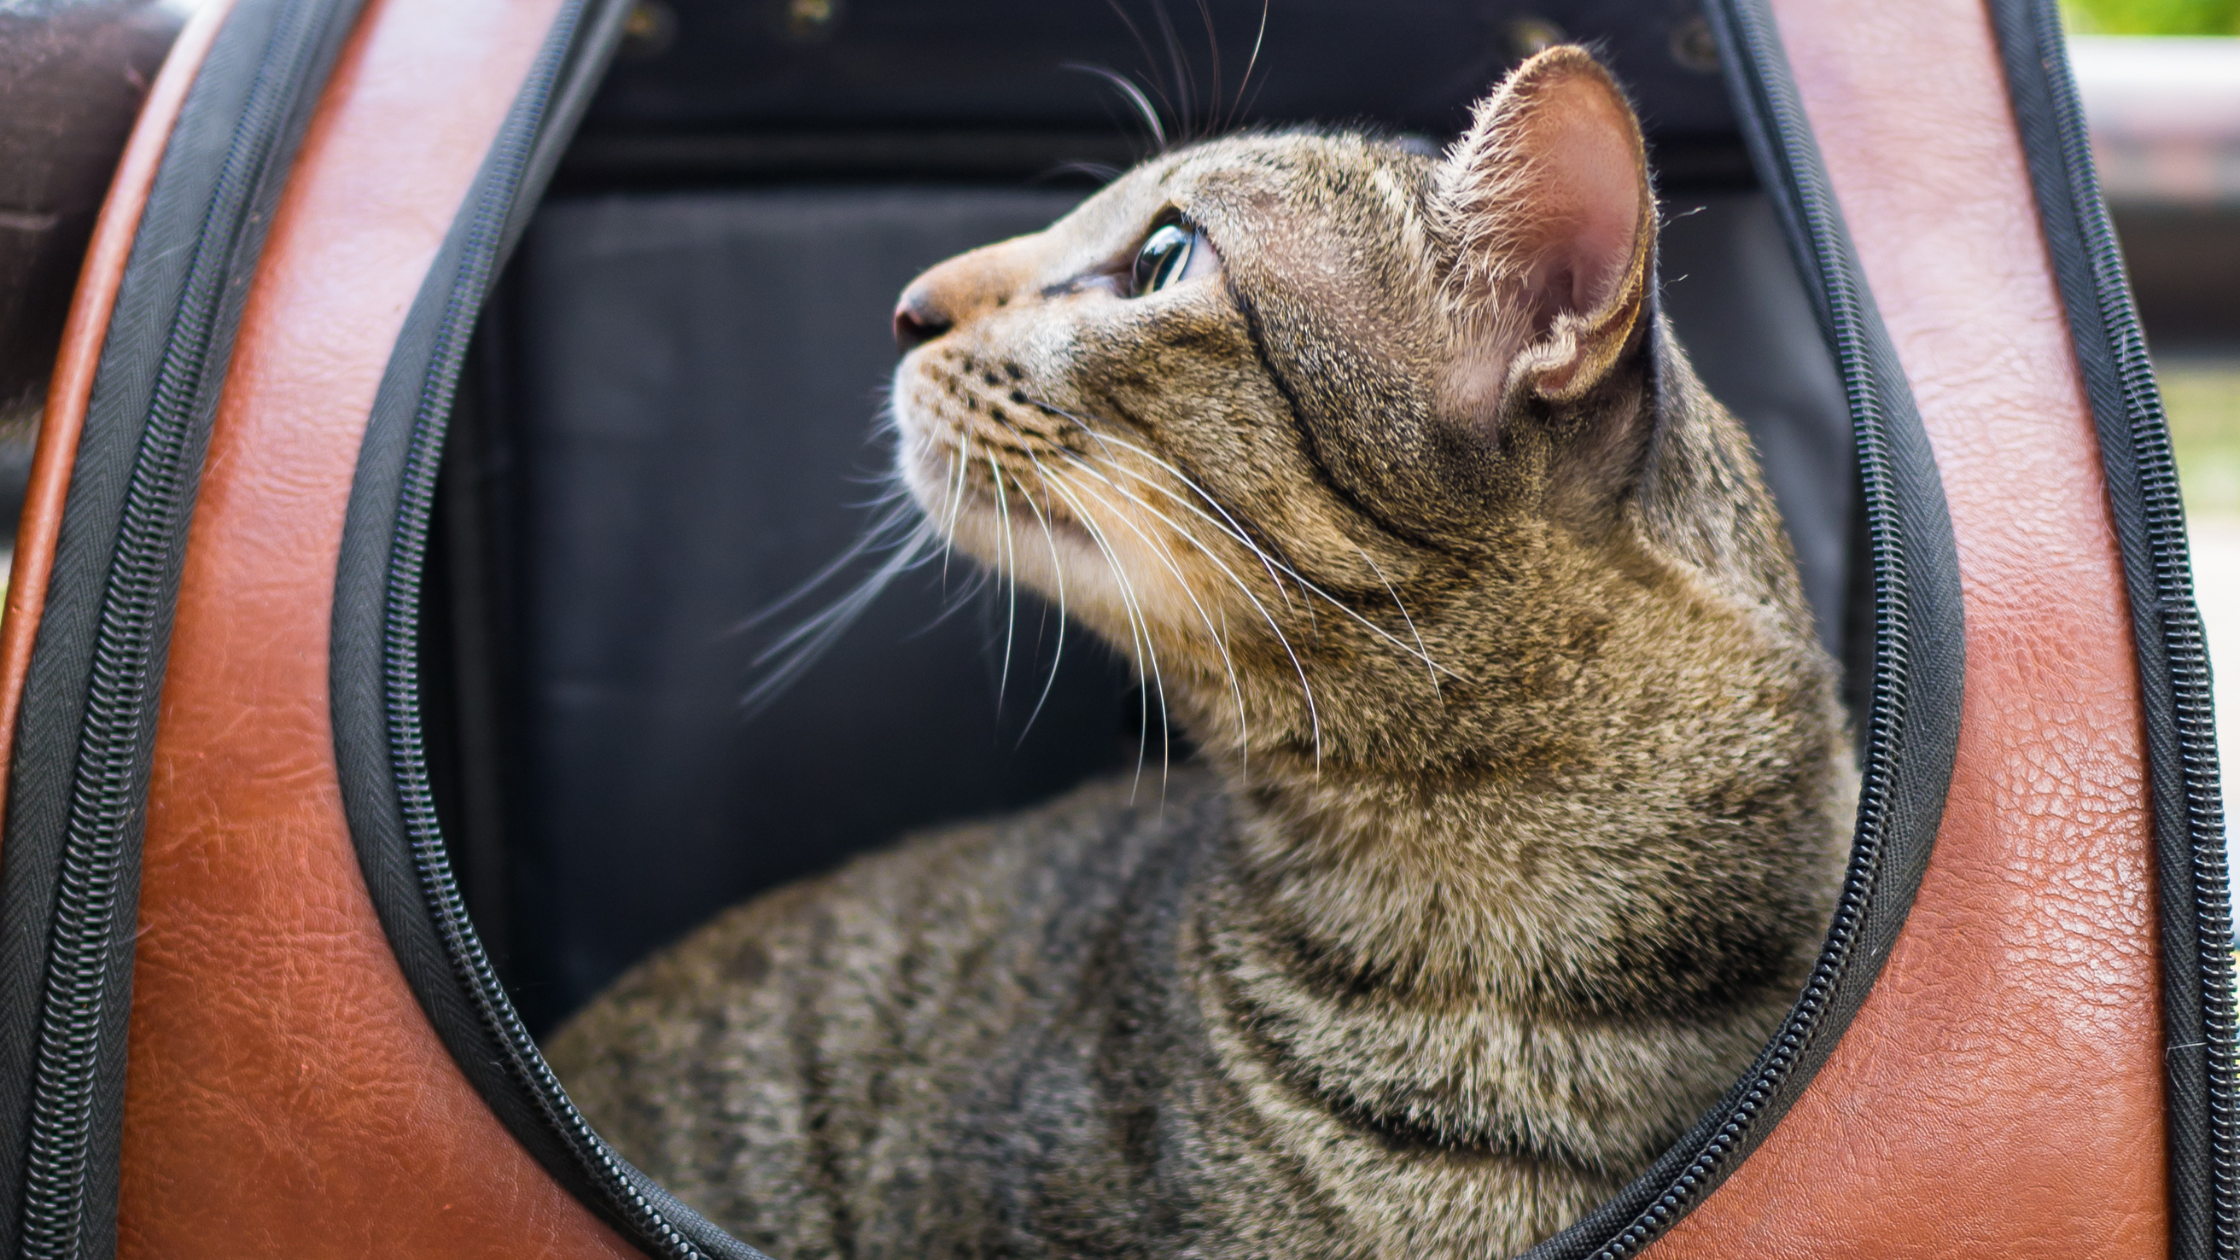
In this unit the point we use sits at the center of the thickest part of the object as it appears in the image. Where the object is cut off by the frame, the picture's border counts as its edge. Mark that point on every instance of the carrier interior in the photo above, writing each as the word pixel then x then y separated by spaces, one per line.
pixel 673 418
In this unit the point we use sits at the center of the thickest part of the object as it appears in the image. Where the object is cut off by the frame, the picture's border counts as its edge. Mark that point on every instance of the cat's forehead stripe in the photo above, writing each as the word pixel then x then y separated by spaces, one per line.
pixel 1337 158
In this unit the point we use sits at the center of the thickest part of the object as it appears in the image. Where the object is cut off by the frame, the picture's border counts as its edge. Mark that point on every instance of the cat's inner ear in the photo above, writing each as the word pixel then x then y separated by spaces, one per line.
pixel 1548 224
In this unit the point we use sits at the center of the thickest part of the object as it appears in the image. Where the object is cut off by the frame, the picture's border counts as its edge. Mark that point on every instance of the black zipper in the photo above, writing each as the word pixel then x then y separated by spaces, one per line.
pixel 379 744
pixel 68 1175
pixel 2193 901
pixel 496 206
pixel 1912 721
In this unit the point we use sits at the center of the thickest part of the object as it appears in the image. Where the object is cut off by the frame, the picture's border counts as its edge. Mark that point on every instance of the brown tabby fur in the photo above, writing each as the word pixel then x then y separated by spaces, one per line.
pixel 1522 777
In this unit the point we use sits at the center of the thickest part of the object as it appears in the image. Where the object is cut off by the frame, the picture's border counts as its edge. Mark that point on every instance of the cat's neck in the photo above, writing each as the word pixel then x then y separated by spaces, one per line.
pixel 1607 868
pixel 1602 776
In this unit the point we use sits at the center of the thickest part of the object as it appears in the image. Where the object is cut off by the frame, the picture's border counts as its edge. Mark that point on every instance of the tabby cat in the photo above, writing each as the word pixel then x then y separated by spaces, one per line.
pixel 1521 782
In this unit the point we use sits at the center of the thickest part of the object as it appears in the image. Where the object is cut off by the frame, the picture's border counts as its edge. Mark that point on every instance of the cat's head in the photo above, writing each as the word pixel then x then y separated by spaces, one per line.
pixel 1308 407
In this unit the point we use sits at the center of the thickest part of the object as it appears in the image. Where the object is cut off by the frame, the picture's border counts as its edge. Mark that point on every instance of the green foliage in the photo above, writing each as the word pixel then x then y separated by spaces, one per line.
pixel 2152 17
pixel 2203 401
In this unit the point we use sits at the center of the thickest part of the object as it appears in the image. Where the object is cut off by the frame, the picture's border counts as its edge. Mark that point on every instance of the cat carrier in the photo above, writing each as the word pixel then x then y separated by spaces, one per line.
pixel 449 385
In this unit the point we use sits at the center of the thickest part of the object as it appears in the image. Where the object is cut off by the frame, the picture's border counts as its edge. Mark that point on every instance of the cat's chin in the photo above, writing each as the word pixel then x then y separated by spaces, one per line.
pixel 1109 579
pixel 1048 552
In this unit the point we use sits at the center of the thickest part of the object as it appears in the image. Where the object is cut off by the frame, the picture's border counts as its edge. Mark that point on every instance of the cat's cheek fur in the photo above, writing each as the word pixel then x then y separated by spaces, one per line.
pixel 1118 577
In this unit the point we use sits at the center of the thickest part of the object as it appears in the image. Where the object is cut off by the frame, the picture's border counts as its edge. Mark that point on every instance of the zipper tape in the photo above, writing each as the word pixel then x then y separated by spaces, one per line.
pixel 78 794
pixel 375 681
pixel 1911 728
pixel 2193 903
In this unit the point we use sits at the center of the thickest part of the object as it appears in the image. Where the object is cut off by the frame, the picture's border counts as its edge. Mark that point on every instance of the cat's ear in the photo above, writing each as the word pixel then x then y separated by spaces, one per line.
pixel 1547 224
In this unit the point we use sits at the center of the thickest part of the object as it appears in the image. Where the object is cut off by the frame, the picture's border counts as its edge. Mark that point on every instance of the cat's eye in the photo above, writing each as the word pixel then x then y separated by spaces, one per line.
pixel 1167 255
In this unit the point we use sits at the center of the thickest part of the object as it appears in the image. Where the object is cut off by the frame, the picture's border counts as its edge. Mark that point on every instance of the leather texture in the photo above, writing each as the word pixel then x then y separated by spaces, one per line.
pixel 1999 1094
pixel 286 1096
pixel 71 386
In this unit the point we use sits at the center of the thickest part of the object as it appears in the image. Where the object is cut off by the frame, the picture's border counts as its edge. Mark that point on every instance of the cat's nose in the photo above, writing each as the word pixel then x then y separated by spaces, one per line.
pixel 918 320
pixel 954 294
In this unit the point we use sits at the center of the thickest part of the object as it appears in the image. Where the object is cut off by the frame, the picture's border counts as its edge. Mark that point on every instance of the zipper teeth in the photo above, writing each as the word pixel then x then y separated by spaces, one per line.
pixel 2181 633
pixel 1892 634
pixel 401 671
pixel 84 972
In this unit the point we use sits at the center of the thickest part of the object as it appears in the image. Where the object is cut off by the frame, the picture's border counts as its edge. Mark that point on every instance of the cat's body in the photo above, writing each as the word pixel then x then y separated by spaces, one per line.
pixel 1524 778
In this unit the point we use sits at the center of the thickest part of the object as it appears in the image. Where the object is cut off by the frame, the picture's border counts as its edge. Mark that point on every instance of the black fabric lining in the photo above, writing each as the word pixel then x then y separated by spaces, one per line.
pixel 1910 730
pixel 78 789
pixel 2193 903
pixel 374 668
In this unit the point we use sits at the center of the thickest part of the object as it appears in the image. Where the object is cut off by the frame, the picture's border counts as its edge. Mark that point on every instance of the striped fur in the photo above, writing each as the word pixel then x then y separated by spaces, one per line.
pixel 1521 783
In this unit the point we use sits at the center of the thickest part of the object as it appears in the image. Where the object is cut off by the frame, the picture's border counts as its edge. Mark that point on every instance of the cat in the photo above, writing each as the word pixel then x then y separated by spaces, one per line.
pixel 1522 784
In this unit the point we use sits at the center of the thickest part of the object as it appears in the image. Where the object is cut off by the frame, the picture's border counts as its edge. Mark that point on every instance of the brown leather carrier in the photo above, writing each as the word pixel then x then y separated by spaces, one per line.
pixel 249 1015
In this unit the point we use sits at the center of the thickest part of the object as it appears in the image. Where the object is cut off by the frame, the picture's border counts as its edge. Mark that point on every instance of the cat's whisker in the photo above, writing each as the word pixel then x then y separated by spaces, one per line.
pixel 1304 584
pixel 1421 650
pixel 1220 641
pixel 872 540
pixel 1144 46
pixel 1112 561
pixel 1139 626
pixel 1306 689
pixel 799 648
pixel 1233 527
pixel 1238 531
pixel 909 550
pixel 894 492
pixel 1011 572
pixel 957 600
pixel 1139 629
pixel 1185 84
pixel 1215 118
pixel 1228 572
pixel 1165 556
pixel 1128 88
pixel 1236 107
pixel 961 459
pixel 1102 172
pixel 1058 570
